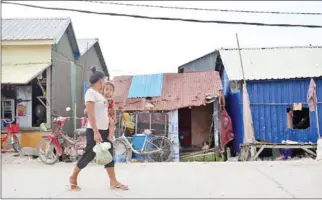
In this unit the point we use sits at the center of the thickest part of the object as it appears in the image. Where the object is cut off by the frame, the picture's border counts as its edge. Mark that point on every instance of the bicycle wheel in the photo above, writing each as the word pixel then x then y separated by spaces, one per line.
pixel 121 150
pixel 15 144
pixel 47 152
pixel 159 143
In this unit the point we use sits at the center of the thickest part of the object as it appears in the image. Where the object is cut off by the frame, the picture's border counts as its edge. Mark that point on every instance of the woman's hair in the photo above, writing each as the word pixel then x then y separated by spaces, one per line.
pixel 111 84
pixel 95 76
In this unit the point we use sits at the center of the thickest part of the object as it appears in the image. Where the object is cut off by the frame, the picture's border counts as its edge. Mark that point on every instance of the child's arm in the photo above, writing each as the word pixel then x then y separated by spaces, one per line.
pixel 111 128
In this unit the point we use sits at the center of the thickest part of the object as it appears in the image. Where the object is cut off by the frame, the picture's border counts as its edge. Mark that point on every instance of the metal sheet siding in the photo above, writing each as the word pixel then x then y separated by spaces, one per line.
pixel 146 86
pixel 273 63
pixel 61 84
pixel 33 28
pixel 270 121
pixel 85 44
pixel 205 63
pixel 90 58
pixel 235 110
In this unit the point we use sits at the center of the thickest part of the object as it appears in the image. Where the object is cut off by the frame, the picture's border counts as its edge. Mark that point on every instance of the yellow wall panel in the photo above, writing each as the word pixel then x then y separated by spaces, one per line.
pixel 26 54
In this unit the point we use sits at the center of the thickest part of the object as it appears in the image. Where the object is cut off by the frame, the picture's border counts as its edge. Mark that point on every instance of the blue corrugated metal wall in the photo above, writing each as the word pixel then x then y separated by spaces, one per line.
pixel 234 109
pixel 270 121
pixel 146 86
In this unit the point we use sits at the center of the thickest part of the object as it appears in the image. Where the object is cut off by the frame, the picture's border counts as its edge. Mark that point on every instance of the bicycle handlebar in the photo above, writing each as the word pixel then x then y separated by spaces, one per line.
pixel 68 117
pixel 8 121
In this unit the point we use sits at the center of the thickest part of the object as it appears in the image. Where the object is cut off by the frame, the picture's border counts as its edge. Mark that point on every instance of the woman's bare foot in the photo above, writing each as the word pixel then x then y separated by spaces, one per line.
pixel 73 183
pixel 118 185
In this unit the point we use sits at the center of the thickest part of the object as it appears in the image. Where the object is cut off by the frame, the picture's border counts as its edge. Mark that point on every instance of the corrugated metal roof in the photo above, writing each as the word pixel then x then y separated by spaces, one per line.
pixel 22 73
pixel 34 28
pixel 273 63
pixel 85 44
pixel 178 91
pixel 203 63
pixel 146 86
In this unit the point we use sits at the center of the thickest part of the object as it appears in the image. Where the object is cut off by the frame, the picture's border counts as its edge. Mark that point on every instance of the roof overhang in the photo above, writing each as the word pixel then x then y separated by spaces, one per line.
pixel 27 42
pixel 22 73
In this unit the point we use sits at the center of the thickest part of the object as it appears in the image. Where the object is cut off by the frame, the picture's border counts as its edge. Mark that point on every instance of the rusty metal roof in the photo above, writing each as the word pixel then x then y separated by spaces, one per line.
pixel 179 91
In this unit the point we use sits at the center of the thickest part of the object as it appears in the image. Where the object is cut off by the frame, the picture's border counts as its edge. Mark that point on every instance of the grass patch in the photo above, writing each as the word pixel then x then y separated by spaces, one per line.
pixel 202 158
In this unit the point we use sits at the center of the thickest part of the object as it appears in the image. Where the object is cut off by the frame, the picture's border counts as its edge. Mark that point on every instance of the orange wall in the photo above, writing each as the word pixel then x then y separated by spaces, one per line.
pixel 31 139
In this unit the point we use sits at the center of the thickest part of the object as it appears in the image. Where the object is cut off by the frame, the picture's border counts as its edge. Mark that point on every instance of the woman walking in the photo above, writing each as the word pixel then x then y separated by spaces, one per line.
pixel 97 130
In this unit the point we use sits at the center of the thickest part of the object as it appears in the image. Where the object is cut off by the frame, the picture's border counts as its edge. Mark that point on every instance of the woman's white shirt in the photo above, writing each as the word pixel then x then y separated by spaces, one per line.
pixel 101 108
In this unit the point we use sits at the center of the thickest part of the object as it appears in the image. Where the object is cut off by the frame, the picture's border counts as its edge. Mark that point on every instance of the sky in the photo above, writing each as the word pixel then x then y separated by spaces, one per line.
pixel 138 46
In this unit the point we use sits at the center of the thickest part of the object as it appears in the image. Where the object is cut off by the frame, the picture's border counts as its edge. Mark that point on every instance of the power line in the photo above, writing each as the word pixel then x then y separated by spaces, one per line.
pixel 207 9
pixel 68 60
pixel 167 18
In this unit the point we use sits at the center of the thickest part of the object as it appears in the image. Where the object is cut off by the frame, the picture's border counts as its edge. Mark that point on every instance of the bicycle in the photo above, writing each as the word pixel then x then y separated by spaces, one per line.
pixel 60 143
pixel 155 148
pixel 13 129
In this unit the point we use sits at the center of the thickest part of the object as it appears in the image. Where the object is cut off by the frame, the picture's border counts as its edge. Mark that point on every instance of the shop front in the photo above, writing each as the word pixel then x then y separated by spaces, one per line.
pixel 24 99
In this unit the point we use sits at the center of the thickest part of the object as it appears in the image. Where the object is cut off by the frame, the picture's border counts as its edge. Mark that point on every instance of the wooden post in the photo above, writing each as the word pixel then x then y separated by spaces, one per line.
pixel 240 58
pixel 48 96
pixel 73 78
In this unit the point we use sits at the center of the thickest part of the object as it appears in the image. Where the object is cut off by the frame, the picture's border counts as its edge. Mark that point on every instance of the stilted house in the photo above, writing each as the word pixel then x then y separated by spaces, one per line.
pixel 277 82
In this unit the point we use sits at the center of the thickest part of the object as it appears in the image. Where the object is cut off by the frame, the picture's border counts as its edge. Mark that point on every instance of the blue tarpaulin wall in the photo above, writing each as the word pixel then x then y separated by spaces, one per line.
pixel 146 86
pixel 86 85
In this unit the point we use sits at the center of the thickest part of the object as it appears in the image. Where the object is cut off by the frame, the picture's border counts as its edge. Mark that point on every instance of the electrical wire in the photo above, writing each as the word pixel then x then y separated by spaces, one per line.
pixel 206 9
pixel 68 60
pixel 168 18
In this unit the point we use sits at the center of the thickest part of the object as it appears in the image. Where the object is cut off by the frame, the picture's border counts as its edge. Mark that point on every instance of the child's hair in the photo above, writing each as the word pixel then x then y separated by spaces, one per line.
pixel 111 84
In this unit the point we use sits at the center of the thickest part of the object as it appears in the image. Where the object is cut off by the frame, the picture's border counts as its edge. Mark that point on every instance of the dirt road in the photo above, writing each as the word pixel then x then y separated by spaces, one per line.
pixel 23 177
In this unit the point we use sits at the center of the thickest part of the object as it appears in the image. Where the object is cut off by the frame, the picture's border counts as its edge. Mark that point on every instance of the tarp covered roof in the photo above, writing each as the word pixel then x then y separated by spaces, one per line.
pixel 179 90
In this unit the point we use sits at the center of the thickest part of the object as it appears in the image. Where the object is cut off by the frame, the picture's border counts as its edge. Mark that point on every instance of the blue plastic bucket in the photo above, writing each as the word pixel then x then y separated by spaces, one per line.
pixel 138 142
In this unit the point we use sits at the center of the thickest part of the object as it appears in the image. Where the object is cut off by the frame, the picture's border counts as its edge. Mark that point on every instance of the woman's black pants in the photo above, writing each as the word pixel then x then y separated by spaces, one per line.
pixel 89 154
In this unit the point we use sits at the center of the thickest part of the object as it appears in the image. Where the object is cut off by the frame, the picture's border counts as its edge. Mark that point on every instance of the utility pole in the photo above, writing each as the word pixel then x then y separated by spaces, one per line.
pixel 73 78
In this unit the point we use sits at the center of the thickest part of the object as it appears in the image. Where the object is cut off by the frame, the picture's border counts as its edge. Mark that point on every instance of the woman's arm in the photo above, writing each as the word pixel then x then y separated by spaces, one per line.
pixel 91 119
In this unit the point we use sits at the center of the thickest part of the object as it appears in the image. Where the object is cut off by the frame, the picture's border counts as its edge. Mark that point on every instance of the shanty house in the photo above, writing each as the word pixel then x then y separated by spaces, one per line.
pixel 182 106
pixel 277 81
pixel 43 70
